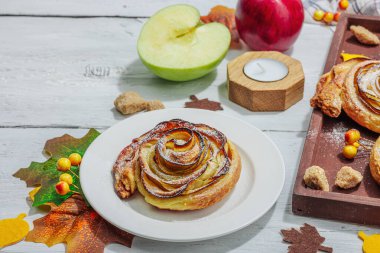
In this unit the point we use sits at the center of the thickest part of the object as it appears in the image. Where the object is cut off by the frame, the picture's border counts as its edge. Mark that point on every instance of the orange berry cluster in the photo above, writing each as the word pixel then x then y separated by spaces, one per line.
pixel 352 138
pixel 328 17
pixel 65 180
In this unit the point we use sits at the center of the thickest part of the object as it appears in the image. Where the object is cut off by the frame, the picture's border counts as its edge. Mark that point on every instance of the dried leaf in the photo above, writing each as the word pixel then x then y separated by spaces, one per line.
pixel 78 225
pixel 306 240
pixel 347 57
pixel 371 243
pixel 203 104
pixel 225 16
pixel 13 230
pixel 46 174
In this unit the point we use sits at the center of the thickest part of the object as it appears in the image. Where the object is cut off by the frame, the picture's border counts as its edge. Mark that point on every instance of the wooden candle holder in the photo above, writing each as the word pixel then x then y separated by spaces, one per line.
pixel 265 96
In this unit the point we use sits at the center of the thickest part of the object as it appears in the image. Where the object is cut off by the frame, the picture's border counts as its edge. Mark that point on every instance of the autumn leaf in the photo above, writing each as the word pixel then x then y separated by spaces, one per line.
pixel 225 16
pixel 306 240
pixel 46 175
pixel 78 225
pixel 13 230
pixel 203 104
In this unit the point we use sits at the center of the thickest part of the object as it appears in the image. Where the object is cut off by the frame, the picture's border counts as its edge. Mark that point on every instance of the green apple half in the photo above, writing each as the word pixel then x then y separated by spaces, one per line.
pixel 175 45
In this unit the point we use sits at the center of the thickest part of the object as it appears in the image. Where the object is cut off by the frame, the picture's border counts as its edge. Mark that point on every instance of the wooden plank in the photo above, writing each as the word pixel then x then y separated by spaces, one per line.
pixel 126 8
pixel 43 65
pixel 21 146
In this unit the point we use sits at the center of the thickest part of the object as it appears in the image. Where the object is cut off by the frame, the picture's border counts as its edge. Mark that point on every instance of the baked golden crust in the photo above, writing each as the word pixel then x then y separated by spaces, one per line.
pixel 200 199
pixel 374 163
pixel 178 166
pixel 329 88
pixel 353 104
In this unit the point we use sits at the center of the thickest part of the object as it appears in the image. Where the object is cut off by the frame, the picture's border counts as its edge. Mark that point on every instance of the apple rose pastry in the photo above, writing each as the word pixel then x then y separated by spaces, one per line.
pixel 178 166
pixel 361 94
pixel 374 162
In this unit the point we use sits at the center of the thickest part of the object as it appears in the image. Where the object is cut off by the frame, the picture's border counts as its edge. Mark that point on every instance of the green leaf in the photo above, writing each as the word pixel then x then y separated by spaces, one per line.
pixel 46 174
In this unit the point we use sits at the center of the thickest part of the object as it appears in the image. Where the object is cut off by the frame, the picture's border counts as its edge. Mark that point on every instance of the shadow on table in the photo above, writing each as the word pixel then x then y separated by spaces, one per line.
pixel 136 77
pixel 221 244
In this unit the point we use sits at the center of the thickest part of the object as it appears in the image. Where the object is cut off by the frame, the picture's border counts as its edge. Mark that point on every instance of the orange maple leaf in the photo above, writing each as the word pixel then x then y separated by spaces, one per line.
pixel 79 226
pixel 226 16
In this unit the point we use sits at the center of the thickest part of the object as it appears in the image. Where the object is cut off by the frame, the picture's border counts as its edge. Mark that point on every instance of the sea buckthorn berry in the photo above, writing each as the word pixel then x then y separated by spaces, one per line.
pixel 62 188
pixel 349 151
pixel 75 159
pixel 336 16
pixel 63 164
pixel 356 144
pixel 65 177
pixel 318 15
pixel 328 17
pixel 343 4
pixel 352 136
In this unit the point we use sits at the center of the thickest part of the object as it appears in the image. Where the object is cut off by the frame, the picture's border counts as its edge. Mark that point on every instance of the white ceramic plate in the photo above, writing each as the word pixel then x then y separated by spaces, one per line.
pixel 260 183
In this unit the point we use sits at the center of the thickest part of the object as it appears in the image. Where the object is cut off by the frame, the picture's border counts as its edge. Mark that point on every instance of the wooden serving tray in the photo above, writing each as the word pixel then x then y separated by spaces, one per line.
pixel 324 143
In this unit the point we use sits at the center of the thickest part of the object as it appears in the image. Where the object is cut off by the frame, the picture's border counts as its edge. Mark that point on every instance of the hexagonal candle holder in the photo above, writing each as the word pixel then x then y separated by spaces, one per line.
pixel 265 81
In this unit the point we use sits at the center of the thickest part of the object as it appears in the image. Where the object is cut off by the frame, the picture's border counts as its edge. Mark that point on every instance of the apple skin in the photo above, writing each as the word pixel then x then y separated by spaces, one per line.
pixel 182 75
pixel 269 24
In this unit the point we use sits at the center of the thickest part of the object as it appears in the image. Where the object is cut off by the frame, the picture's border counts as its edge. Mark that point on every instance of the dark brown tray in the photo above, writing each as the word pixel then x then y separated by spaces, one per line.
pixel 325 140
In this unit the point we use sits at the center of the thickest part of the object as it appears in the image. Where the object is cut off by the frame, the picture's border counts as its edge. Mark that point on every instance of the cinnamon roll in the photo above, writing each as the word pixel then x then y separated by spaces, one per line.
pixel 178 166
pixel 361 94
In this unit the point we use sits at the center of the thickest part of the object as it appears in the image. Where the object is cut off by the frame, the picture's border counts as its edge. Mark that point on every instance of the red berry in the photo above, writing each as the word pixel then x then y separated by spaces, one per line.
pixel 343 4
pixel 328 17
pixel 62 188
pixel 336 16
pixel 352 136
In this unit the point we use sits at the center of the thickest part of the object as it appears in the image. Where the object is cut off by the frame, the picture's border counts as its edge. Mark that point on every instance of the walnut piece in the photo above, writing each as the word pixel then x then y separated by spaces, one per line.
pixel 364 36
pixel 131 102
pixel 315 178
pixel 348 178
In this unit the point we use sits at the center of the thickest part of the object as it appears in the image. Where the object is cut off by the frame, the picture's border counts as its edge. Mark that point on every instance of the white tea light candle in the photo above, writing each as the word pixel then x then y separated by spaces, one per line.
pixel 265 70
pixel 265 81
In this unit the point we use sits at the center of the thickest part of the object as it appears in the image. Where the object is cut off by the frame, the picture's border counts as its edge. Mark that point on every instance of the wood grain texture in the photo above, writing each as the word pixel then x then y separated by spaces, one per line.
pixel 45 91
pixel 125 8
pixel 361 204
pixel 265 96
pixel 43 64
pixel 21 146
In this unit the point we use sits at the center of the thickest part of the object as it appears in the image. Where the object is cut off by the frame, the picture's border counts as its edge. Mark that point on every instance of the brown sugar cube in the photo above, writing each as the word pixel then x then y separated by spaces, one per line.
pixel 348 178
pixel 154 105
pixel 130 102
pixel 315 178
pixel 364 36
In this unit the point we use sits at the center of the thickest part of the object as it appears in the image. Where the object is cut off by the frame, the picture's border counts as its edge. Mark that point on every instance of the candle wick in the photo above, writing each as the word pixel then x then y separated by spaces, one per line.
pixel 261 67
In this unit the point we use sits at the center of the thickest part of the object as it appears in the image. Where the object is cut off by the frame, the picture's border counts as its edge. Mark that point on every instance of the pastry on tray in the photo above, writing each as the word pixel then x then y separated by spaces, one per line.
pixel 178 166
pixel 361 94
pixel 374 163
pixel 353 86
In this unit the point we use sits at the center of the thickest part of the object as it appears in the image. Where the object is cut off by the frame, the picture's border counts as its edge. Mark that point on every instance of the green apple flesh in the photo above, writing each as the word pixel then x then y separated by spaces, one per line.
pixel 175 45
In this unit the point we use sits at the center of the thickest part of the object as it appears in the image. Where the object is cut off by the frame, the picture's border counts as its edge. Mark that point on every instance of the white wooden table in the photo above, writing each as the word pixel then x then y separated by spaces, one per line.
pixel 45 47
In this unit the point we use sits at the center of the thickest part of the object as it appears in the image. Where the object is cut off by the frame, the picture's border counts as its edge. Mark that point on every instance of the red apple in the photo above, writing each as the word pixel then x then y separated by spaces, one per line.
pixel 269 24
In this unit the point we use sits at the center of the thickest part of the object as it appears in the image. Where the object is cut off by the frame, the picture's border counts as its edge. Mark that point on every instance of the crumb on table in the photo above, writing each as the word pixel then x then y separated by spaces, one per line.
pixel 131 102
pixel 315 178
pixel 348 178
pixel 364 36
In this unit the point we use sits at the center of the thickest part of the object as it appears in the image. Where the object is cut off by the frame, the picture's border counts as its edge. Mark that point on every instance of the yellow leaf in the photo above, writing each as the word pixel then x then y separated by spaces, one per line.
pixel 347 57
pixel 13 230
pixel 371 243
pixel 33 192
